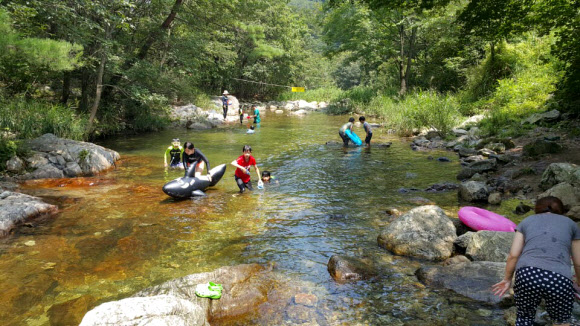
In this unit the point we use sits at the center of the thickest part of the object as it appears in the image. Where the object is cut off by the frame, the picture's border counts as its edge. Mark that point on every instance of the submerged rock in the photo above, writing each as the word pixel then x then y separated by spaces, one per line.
pixel 16 208
pixel 473 279
pixel 349 269
pixel 423 232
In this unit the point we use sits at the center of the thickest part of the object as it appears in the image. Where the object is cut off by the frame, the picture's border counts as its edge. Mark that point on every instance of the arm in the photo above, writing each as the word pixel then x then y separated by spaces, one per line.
pixel 576 258
pixel 165 156
pixel 258 172
pixel 183 159
pixel 203 158
pixel 235 163
pixel 515 252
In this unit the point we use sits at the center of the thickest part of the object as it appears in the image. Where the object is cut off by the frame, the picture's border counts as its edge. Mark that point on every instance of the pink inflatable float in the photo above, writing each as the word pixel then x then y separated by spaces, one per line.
pixel 481 219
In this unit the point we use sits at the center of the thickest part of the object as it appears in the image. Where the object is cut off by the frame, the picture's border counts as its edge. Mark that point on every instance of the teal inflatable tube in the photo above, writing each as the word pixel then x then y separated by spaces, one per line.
pixel 353 137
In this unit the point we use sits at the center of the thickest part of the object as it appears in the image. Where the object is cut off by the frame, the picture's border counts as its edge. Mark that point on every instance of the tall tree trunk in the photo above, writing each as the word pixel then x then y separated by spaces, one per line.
pixel 402 79
pixel 85 89
pixel 165 50
pixel 410 54
pixel 65 87
pixel 99 84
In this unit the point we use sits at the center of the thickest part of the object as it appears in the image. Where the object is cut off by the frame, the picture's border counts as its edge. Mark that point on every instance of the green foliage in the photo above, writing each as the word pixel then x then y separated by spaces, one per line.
pixel 532 79
pixel 8 148
pixel 421 109
pixel 325 94
pixel 29 119
pixel 84 155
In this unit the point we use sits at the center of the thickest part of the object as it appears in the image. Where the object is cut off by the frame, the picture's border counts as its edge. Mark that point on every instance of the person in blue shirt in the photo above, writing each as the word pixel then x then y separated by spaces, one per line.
pixel 225 103
pixel 256 114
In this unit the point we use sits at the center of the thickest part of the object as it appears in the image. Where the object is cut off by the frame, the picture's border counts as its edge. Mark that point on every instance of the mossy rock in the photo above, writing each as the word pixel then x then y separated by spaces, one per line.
pixel 541 146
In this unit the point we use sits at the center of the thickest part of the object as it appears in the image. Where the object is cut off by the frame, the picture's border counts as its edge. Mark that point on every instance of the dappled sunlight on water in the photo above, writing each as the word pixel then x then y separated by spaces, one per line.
pixel 118 233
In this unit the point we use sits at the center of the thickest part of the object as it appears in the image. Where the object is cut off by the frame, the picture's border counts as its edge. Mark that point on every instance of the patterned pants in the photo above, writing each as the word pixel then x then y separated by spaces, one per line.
pixel 534 284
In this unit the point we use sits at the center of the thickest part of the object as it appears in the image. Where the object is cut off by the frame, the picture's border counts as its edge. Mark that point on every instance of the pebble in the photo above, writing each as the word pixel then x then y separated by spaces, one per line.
pixel 49 265
pixel 30 243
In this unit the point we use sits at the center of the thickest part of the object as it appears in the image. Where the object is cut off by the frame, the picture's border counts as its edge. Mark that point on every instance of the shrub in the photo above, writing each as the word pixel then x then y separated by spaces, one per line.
pixel 30 119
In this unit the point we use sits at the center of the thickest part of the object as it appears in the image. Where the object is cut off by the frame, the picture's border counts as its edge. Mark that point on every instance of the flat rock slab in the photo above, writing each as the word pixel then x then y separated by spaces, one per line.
pixel 16 208
pixel 470 279
pixel 245 288
pixel 156 310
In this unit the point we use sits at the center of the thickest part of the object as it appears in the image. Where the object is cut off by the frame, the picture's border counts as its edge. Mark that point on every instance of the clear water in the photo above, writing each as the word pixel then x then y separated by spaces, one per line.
pixel 118 233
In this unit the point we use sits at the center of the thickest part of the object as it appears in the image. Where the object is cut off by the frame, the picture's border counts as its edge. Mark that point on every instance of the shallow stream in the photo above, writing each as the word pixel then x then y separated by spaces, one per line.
pixel 118 233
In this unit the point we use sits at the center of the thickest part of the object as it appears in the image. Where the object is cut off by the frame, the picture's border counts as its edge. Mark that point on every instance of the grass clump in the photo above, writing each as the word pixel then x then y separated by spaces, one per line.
pixel 33 118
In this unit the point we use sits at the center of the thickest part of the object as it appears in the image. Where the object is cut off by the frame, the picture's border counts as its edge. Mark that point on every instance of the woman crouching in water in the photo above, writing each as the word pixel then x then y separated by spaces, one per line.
pixel 540 256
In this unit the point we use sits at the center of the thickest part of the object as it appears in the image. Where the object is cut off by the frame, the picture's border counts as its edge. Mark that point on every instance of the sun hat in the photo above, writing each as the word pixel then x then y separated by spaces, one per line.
pixel 225 93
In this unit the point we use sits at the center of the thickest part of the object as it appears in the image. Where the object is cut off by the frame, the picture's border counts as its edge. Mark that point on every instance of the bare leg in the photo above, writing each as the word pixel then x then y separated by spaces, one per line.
pixel 199 169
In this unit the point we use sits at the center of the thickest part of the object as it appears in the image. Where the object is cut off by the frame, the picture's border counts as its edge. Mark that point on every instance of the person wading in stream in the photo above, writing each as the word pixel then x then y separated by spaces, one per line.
pixel 343 129
pixel 540 256
pixel 194 157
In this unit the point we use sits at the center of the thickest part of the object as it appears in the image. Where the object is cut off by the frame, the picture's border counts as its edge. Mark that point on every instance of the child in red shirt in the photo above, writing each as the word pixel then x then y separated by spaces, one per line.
pixel 243 164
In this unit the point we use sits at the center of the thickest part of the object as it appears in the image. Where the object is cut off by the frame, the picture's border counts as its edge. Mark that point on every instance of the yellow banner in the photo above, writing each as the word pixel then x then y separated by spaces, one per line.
pixel 297 89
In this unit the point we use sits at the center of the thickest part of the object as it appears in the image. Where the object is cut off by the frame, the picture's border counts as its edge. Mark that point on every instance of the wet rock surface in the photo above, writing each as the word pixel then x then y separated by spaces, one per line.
pixel 471 279
pixel 423 232
pixel 16 208
pixel 344 269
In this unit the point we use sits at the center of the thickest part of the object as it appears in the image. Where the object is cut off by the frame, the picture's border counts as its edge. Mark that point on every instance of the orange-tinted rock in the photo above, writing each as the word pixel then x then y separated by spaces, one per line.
pixel 306 299
pixel 70 312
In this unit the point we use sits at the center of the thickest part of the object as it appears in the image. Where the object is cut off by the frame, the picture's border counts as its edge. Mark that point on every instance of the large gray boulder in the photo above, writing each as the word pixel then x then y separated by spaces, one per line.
pixel 15 164
pixel 51 152
pixel 423 232
pixel 489 246
pixel 472 191
pixel 16 208
pixel 156 310
pixel 542 117
pixel 568 194
pixel 540 147
pixel 471 279
pixel 558 173
pixel 483 165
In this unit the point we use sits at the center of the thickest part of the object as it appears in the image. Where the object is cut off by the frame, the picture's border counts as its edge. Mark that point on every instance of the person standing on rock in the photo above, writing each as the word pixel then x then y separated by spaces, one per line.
pixel 343 129
pixel 194 159
pixel 225 103
pixel 540 256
